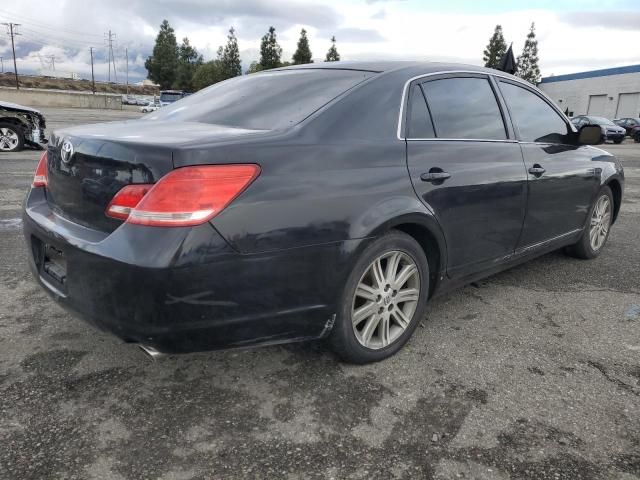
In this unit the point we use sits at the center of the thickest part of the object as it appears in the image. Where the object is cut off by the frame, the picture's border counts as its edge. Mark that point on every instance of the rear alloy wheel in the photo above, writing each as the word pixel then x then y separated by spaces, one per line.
pixel 596 232
pixel 384 300
pixel 11 139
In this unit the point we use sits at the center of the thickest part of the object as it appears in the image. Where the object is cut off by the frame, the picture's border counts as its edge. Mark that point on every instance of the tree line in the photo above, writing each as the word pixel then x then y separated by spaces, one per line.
pixel 181 67
pixel 527 61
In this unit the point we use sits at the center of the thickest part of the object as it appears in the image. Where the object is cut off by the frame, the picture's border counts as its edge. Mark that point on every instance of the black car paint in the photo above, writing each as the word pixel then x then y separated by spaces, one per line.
pixel 271 267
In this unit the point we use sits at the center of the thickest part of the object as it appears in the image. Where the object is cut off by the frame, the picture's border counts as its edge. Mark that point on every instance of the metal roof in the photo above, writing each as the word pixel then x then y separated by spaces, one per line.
pixel 606 72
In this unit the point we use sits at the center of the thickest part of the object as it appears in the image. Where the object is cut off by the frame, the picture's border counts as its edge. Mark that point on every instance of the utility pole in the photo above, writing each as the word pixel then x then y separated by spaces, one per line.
pixel 1 65
pixel 11 30
pixel 52 61
pixel 126 53
pixel 93 81
pixel 110 38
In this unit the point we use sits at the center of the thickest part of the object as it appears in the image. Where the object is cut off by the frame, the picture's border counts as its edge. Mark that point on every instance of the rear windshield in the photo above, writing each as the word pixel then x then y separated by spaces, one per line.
pixel 263 101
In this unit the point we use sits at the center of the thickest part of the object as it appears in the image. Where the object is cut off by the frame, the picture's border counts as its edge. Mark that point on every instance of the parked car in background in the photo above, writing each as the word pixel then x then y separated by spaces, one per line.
pixel 150 107
pixel 287 205
pixel 129 100
pixel 610 131
pixel 629 124
pixel 20 126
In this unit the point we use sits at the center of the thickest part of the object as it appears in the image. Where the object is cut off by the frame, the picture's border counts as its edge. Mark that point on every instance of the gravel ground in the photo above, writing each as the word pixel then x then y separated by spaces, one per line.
pixel 530 374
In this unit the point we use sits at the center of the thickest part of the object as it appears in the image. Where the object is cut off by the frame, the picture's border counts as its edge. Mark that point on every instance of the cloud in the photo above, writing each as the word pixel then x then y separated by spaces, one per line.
pixel 281 13
pixel 364 30
pixel 358 35
pixel 616 20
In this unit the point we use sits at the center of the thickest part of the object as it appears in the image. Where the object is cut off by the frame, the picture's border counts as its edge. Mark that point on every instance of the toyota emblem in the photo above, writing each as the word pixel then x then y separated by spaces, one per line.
pixel 66 151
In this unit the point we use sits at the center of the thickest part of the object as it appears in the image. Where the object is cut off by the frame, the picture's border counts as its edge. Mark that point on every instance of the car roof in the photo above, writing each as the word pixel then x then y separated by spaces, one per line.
pixel 393 65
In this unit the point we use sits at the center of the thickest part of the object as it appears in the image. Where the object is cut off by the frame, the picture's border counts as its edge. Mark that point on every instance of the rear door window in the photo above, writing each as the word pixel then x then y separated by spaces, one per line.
pixel 534 118
pixel 419 121
pixel 464 108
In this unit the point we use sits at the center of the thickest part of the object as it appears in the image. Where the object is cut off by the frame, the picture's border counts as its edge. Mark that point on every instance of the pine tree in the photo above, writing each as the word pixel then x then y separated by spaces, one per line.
pixel 162 64
pixel 270 51
pixel 528 61
pixel 188 61
pixel 303 52
pixel 254 67
pixel 230 56
pixel 332 54
pixel 207 74
pixel 495 50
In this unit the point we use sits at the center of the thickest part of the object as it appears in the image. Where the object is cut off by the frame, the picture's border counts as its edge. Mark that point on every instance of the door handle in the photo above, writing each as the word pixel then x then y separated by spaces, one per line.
pixel 537 170
pixel 438 176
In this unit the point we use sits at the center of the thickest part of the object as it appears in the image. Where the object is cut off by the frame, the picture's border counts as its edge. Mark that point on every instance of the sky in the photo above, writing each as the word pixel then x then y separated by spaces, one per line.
pixel 572 35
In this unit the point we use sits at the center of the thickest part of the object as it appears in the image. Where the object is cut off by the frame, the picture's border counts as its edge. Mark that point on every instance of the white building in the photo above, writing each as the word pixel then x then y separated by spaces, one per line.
pixel 610 93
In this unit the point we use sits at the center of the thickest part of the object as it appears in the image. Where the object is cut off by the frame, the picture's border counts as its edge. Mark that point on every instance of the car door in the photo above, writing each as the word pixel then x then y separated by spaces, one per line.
pixel 467 167
pixel 562 178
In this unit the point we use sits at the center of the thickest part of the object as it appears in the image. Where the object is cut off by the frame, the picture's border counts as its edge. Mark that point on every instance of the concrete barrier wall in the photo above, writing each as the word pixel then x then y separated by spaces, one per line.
pixel 33 97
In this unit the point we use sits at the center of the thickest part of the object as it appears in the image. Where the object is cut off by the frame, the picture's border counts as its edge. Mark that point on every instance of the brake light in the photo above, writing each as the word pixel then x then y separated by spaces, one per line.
pixel 41 177
pixel 126 200
pixel 186 196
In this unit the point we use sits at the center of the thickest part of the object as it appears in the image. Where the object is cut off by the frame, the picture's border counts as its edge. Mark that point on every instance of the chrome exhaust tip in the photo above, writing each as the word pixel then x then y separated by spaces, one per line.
pixel 152 352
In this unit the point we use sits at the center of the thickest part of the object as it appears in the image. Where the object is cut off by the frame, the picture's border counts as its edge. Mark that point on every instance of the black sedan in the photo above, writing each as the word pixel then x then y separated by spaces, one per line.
pixel 321 201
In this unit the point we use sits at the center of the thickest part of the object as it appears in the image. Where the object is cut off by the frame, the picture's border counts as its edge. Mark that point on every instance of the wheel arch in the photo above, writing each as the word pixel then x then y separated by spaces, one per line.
pixel 427 232
pixel 14 121
pixel 616 189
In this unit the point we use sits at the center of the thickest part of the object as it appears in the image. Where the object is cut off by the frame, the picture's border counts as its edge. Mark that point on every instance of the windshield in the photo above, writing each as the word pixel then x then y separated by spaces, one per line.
pixel 601 121
pixel 263 101
pixel 170 97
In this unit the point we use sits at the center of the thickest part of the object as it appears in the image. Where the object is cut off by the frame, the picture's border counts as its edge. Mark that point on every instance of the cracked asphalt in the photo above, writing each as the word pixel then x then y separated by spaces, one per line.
pixel 533 373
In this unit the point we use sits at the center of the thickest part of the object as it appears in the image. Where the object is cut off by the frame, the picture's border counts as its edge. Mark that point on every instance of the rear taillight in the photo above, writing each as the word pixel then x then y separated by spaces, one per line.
pixel 126 200
pixel 184 197
pixel 41 178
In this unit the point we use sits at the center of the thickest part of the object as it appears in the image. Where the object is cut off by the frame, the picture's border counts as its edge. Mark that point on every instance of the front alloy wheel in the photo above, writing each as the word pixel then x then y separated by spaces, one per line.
pixel 600 222
pixel 384 299
pixel 596 232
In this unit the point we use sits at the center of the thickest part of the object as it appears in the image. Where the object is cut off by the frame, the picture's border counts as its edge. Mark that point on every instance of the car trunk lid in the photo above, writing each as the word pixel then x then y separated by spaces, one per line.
pixel 88 165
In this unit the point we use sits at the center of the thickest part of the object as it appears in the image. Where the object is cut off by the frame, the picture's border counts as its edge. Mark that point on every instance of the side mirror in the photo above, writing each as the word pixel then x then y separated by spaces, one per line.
pixel 590 135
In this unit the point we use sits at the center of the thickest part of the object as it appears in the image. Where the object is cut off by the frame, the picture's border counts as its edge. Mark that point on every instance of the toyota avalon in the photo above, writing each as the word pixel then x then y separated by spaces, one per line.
pixel 312 202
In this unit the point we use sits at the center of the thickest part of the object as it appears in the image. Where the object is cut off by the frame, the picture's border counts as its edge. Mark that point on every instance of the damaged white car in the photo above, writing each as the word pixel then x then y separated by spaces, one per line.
pixel 19 127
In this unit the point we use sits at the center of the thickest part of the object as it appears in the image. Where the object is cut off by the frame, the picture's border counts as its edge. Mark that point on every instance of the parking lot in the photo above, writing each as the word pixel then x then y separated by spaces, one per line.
pixel 532 373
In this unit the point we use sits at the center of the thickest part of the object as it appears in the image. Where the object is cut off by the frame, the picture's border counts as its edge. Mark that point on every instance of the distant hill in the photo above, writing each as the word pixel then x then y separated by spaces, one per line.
pixel 33 81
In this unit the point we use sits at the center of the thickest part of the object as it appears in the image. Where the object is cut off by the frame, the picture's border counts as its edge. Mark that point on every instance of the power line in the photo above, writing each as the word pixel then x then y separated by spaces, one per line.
pixel 34 23
pixel 54 39
pixel 11 31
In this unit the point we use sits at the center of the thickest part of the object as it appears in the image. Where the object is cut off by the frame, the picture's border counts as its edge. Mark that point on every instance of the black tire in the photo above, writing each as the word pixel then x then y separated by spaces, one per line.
pixel 583 249
pixel 618 141
pixel 637 138
pixel 343 339
pixel 18 131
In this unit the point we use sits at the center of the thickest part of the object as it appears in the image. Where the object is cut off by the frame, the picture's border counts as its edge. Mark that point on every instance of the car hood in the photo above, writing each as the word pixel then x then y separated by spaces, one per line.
pixel 18 108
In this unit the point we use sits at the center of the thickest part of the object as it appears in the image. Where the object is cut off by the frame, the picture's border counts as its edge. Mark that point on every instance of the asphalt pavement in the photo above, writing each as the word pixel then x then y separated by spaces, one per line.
pixel 533 373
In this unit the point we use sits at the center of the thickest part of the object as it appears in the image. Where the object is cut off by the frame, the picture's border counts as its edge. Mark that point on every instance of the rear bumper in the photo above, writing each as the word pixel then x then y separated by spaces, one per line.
pixel 186 289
